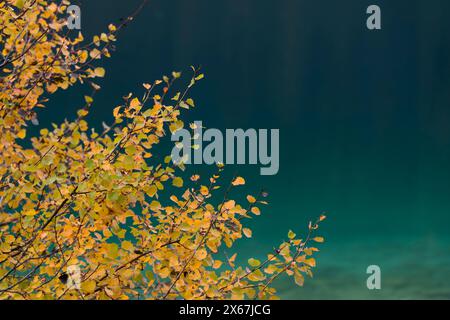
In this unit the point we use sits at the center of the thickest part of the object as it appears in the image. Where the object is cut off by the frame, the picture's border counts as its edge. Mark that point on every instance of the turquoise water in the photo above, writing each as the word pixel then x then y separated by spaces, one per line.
pixel 410 269
pixel 364 121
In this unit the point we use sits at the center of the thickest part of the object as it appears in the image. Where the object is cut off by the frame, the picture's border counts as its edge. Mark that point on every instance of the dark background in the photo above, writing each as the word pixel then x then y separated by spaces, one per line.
pixel 364 119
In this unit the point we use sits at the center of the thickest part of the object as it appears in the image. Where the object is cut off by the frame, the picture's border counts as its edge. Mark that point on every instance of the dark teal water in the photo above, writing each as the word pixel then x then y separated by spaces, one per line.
pixel 364 119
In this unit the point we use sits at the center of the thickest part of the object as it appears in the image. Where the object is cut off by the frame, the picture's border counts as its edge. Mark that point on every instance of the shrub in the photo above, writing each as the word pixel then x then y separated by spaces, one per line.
pixel 76 200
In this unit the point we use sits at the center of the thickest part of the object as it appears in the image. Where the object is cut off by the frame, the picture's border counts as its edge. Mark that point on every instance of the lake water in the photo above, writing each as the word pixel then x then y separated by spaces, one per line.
pixel 364 119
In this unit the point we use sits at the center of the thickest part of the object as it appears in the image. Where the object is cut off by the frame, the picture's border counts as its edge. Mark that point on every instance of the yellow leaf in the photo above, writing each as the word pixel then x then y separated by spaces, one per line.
pixel 96 40
pixel 253 262
pixel 22 134
pixel 299 279
pixel 190 102
pixel 152 190
pixel 127 245
pixel 256 276
pixel 247 232
pixel 201 254
pixel 318 239
pixel 164 272
pixel 30 212
pixel 155 205
pixel 19 4
pixel 229 205
pixel 204 190
pixel 310 262
pixel 291 234
pixel 95 54
pixel 88 99
pixel 255 210
pixel 99 72
pixel 177 182
pixel 112 250
pixel 116 112
pixel 134 103
pixel 251 199
pixel 238 181
pixel 88 286
pixel 82 112
pixel 270 269
pixel 232 259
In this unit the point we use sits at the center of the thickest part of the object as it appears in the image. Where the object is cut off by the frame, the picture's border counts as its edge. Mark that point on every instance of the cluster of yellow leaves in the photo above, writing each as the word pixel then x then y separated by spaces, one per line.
pixel 95 200
pixel 38 55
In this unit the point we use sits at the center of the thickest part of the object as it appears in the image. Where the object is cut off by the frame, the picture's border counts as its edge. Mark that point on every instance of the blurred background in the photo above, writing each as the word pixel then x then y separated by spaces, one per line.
pixel 364 119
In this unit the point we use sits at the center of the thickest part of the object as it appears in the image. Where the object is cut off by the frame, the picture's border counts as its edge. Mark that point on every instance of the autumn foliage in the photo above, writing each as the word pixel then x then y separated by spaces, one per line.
pixel 73 195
